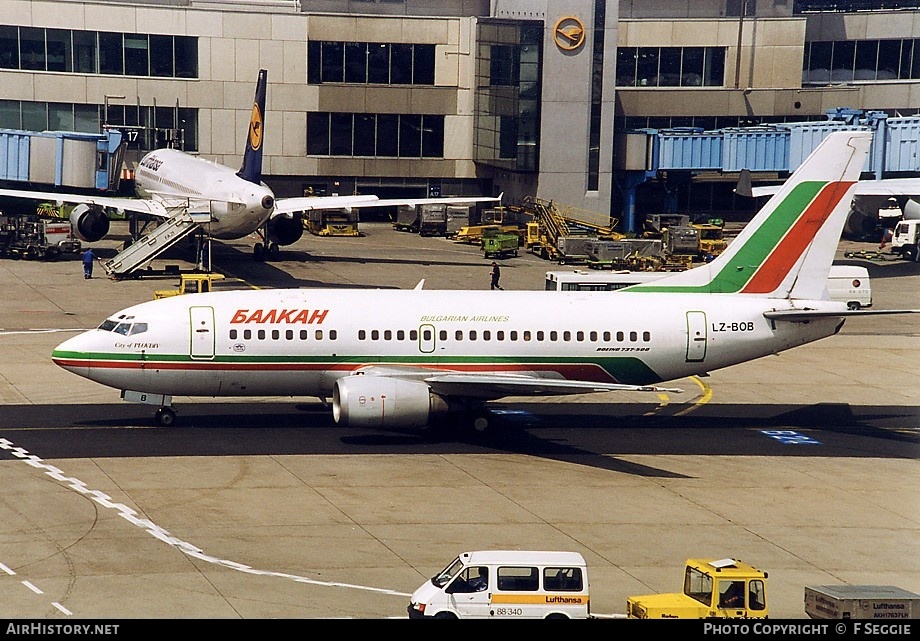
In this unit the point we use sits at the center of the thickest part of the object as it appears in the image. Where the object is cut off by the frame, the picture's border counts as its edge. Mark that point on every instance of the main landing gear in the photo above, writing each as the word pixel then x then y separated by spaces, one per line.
pixel 265 251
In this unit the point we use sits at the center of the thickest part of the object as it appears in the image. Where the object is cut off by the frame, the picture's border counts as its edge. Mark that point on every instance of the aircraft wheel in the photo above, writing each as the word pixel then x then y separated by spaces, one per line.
pixel 258 252
pixel 480 424
pixel 165 417
pixel 273 250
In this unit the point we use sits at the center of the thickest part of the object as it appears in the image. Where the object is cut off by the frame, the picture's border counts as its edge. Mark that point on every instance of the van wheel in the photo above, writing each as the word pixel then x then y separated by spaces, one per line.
pixel 557 616
pixel 853 305
pixel 445 615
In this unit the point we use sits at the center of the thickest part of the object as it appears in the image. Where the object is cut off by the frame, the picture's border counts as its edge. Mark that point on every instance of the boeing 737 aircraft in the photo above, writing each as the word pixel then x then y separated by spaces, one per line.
pixel 401 358
pixel 169 182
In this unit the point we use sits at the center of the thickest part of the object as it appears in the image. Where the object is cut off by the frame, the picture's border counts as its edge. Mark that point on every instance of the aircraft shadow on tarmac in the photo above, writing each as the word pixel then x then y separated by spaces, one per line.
pixel 593 435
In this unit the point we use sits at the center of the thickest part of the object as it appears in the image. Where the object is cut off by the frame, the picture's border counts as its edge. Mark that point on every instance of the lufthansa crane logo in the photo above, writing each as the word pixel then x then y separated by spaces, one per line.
pixel 569 33
pixel 255 128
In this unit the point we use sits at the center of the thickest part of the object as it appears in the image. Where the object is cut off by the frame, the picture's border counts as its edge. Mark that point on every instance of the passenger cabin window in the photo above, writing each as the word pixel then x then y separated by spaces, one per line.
pixel 362 335
pixel 319 334
pixel 304 334
pixel 261 334
pixel 515 579
pixel 562 580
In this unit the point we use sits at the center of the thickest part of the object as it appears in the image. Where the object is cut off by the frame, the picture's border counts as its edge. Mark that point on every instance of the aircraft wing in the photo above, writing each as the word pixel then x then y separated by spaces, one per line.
pixel 139 205
pixel 494 386
pixel 308 203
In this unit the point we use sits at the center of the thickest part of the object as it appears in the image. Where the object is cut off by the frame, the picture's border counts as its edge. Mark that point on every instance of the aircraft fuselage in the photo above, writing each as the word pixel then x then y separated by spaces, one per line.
pixel 237 206
pixel 298 342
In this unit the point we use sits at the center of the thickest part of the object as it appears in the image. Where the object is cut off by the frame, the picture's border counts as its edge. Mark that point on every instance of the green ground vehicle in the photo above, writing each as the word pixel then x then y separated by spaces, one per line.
pixel 500 245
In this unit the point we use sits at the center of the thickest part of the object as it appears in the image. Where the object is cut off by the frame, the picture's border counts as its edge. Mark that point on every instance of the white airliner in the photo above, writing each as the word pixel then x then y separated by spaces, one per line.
pixel 169 181
pixel 402 357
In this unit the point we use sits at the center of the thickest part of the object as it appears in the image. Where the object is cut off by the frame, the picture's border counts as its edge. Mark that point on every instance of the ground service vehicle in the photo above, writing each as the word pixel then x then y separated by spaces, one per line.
pixel 432 220
pixel 190 284
pixel 36 238
pixel 713 589
pixel 499 244
pixel 506 584
pixel 861 602
pixel 905 241
pixel 850 284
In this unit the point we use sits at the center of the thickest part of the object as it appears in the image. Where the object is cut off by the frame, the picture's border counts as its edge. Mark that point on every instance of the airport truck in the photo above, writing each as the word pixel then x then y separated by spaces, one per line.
pixel 713 589
pixel 905 241
pixel 36 238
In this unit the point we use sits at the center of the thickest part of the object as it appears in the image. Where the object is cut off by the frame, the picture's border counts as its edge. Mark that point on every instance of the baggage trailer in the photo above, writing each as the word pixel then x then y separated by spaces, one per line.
pixel 432 219
pixel 885 602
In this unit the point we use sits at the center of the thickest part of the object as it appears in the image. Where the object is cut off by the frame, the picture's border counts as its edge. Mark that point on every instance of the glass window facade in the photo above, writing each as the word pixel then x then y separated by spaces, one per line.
pixel 671 66
pixel 103 52
pixel 828 62
pixel 148 127
pixel 387 135
pixel 509 68
pixel 375 63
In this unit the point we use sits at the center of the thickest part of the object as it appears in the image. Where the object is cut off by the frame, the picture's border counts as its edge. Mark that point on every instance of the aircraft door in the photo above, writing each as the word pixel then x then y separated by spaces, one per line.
pixel 696 337
pixel 202 332
pixel 426 339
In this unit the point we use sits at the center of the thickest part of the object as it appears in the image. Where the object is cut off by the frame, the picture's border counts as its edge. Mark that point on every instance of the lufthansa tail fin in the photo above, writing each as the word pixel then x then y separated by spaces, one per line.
pixel 252 157
pixel 787 249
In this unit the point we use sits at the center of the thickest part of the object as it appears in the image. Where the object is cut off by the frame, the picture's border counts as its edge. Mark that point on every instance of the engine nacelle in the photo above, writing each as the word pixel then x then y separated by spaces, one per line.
pixel 89 222
pixel 285 230
pixel 381 401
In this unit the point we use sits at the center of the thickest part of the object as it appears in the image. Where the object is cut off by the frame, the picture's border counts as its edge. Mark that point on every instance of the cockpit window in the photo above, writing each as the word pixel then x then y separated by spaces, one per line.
pixel 123 328
pixel 138 328
pixel 108 325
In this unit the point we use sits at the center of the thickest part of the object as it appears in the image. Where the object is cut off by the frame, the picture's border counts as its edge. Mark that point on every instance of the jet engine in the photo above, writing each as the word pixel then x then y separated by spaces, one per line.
pixel 89 222
pixel 381 401
pixel 284 229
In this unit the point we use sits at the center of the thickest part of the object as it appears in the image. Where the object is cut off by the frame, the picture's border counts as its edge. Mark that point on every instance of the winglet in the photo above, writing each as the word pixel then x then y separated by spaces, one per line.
pixel 252 157
pixel 420 285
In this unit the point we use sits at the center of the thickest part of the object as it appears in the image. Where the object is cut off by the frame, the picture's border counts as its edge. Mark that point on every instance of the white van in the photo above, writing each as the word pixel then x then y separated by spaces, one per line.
pixel 850 284
pixel 506 584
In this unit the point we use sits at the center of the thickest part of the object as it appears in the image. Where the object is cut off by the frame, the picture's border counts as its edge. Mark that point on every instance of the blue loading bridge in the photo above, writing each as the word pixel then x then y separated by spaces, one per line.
pixel 62 158
pixel 778 149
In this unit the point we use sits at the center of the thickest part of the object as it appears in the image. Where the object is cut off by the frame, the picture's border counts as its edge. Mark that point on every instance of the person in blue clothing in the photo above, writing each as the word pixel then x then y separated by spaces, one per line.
pixel 88 258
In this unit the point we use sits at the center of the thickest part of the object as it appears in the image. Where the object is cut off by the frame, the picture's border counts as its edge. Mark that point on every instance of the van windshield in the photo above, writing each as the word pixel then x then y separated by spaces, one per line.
pixel 443 577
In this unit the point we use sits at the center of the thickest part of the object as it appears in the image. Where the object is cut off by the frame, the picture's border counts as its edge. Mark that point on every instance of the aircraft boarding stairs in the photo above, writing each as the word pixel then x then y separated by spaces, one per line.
pixel 155 242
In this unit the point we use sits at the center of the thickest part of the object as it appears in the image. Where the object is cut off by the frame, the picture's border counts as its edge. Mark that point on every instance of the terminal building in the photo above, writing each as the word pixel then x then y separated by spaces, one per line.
pixel 456 97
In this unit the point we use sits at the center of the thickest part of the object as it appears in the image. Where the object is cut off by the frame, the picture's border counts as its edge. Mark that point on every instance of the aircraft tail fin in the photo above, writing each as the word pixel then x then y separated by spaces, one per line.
pixel 252 157
pixel 787 249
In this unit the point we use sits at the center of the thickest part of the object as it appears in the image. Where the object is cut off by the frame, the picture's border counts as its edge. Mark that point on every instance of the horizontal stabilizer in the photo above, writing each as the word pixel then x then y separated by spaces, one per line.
pixel 802 315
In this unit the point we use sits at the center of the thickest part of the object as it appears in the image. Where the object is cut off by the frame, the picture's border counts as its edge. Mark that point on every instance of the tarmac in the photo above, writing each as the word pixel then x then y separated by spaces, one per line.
pixel 263 509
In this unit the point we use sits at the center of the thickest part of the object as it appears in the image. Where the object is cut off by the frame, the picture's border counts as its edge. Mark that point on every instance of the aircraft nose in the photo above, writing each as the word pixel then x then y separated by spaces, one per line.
pixel 71 354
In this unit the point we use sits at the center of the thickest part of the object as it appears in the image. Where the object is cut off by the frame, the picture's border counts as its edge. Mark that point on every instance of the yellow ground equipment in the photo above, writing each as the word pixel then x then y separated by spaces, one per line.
pixel 194 283
pixel 713 589
pixel 332 222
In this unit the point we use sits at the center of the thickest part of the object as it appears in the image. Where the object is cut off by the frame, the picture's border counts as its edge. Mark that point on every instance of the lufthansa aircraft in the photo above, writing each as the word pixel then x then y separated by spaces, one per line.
pixel 400 358
pixel 169 182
